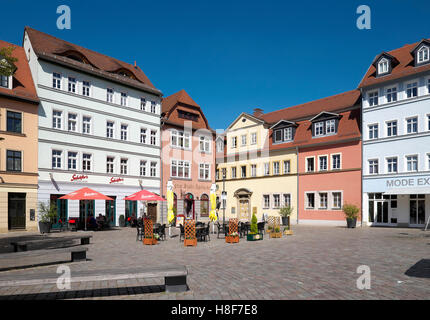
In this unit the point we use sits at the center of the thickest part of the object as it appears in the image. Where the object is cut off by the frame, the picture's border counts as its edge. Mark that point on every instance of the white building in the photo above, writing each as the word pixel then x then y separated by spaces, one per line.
pixel 396 137
pixel 99 127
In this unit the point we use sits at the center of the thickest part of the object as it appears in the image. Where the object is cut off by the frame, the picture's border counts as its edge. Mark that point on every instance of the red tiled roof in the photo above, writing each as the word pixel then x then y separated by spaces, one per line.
pixel 333 103
pixel 405 67
pixel 22 84
pixel 47 45
pixel 179 97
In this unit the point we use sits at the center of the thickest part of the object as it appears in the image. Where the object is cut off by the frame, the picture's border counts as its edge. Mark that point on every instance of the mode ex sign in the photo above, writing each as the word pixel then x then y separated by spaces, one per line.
pixel 408 182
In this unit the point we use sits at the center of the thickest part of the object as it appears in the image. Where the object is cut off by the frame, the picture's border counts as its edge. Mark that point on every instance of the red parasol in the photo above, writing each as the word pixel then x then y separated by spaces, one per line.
pixel 85 194
pixel 144 195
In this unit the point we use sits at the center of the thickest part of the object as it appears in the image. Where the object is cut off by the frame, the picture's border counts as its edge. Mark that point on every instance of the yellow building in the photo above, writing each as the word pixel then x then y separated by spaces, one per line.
pixel 255 179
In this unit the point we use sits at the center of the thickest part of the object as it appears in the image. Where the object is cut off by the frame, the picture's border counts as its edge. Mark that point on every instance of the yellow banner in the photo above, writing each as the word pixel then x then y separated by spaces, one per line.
pixel 212 214
pixel 170 214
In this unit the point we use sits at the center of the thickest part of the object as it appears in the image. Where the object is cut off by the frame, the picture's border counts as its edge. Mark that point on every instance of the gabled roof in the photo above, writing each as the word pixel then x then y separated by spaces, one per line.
pixel 179 97
pixel 283 121
pixel 324 113
pixel 247 115
pixel 54 49
pixel 405 66
pixel 384 54
pixel 22 84
pixel 423 41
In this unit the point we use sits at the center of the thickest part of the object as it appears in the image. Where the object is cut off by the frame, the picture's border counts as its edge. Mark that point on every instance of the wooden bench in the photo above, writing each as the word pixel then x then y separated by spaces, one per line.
pixel 77 253
pixel 175 278
pixel 23 245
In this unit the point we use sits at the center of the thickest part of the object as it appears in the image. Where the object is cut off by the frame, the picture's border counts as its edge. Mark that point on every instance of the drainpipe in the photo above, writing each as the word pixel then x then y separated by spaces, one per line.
pixel 362 153
pixel 161 168
pixel 297 174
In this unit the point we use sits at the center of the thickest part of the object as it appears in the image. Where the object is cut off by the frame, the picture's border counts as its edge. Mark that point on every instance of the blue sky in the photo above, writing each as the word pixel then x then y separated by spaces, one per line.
pixel 233 56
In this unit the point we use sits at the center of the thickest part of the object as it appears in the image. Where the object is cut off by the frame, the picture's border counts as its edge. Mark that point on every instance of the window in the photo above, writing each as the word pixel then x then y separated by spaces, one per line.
pixel 337 200
pixel 180 139
pixel 428 122
pixel 276 170
pixel 56 80
pixel 86 88
pixel 373 131
pixel 217 174
pixel 287 200
pixel 109 129
pixel 412 125
pixel 428 161
pixel 392 128
pixel 220 145
pixel 335 162
pixel 124 130
pixel 204 144
pixel 56 159
pixel 13 160
pixel 72 122
pixel 243 171
pixel 86 125
pixel 412 89
pixel 276 201
pixel 323 200
pixel 124 99
pixel 330 126
pixel 383 66
pixel 224 173
pixel 253 170
pixel 310 201
pixel 153 169
pixel 374 166
pixel 180 169
pixel 233 172
pixel 14 122
pixel 143 104
pixel 234 142
pixel 143 168
pixel 283 135
pixel 243 137
pixel 109 164
pixel 204 205
pixel 323 165
pixel 254 138
pixel 392 94
pixel 4 81
pixel 86 162
pixel 266 169
pixel 124 166
pixel 287 166
pixel 373 98
pixel 319 128
pixel 153 106
pixel 153 137
pixel 109 95
pixel 72 158
pixel 310 166
pixel 323 128
pixel 204 171
pixel 392 165
pixel 412 163
pixel 72 84
pixel 142 135
pixel 428 85
pixel 266 201
pixel 423 54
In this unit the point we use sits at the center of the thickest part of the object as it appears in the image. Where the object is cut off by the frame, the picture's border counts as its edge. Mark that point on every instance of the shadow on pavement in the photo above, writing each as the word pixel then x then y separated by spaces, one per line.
pixel 421 269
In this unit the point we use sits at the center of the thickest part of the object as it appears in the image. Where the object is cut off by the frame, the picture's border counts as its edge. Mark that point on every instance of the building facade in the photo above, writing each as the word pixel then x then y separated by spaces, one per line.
pixel 188 156
pixel 396 137
pixel 99 127
pixel 18 146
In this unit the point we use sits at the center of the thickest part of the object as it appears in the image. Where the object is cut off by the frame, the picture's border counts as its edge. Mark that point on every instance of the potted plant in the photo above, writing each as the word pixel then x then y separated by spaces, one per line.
pixel 121 221
pixel 232 238
pixel 47 216
pixel 351 213
pixel 276 233
pixel 253 234
pixel 285 213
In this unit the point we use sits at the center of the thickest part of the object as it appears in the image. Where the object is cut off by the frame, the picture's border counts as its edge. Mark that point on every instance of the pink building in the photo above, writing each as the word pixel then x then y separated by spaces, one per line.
pixel 188 155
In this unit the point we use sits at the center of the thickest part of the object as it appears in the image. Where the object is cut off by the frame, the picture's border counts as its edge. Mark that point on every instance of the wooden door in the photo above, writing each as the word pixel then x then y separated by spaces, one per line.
pixel 152 212
pixel 244 209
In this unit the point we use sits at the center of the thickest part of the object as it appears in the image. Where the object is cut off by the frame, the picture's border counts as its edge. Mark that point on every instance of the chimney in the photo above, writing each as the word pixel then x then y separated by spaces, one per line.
pixel 257 112
pixel 135 64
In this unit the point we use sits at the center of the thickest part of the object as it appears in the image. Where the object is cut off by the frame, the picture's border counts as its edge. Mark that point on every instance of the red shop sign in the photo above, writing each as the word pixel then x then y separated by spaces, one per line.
pixel 78 177
pixel 115 180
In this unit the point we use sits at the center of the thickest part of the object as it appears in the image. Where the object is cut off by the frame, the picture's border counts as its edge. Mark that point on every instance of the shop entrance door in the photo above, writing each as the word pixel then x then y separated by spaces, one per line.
pixel 152 212
pixel 85 211
pixel 244 209
pixel 110 211
pixel 130 211
pixel 382 212
pixel 16 211
pixel 417 209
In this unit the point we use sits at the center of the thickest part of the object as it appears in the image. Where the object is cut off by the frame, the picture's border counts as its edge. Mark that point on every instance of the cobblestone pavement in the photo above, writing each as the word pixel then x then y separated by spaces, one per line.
pixel 314 263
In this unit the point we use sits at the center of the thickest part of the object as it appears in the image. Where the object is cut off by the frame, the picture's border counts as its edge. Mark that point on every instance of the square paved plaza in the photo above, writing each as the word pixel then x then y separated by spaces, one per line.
pixel 314 263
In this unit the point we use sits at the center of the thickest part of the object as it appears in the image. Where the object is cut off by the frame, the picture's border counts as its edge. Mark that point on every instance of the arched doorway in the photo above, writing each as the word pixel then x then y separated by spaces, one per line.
pixel 204 205
pixel 189 208
pixel 243 197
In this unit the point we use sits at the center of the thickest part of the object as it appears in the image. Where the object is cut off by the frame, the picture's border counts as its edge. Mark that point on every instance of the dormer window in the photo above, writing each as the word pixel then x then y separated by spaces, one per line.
pixel 5 81
pixel 423 54
pixel 324 124
pixel 283 131
pixel 383 66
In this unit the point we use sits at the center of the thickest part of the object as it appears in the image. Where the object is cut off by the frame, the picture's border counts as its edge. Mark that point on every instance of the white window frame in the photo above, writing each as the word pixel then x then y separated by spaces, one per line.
pixel 253 138
pixel 369 166
pixel 58 80
pixel 124 133
pixel 122 166
pixel 332 161
pixel 407 125
pixel 142 104
pixel 84 124
pixel 177 135
pixel 153 137
pixel 307 207
pixel 72 84
pixel 319 129
pixel 387 164
pixel 206 142
pixel 407 162
pixel 288 166
pixel 306 163
pixel 266 205
pixel 319 162
pixel 416 82
pixel 383 66
pixel 423 59
pixel 184 164
pixel 90 162
pixel 76 121
pixel 9 82
pixel 86 88
pixel 108 163
pixel 153 107
pixel 371 129
pixel 390 92
pixel 110 96
pixel 274 204
pixel 60 157
pixel 326 200
pixel 110 129
pixel 124 99
pixel 153 169
pixel 233 169
pixel 61 119
pixel 278 171
pixel 266 166
pixel 388 127
pixel 253 170
pixel 204 168
pixel 143 135
pixel 234 142
pixel 143 168
pixel 283 199
pixel 373 98
pixel 76 160
pixel 333 207
pixel 243 140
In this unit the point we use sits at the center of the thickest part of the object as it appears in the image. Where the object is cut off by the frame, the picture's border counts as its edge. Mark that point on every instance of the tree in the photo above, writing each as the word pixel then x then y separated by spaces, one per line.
pixel 7 61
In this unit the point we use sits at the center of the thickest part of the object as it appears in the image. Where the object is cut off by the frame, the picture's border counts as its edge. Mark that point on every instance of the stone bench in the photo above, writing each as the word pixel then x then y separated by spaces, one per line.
pixel 175 278
pixel 15 259
pixel 23 245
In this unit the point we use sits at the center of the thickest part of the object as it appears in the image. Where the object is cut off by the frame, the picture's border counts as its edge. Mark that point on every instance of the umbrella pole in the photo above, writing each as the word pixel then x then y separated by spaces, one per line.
pixel 86 206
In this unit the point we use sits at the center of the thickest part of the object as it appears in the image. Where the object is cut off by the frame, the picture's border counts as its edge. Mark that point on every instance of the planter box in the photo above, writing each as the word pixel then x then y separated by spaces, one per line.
pixel 44 227
pixel 275 234
pixel 254 237
pixel 190 242
pixel 232 239
pixel 149 241
pixel 288 232
pixel 351 223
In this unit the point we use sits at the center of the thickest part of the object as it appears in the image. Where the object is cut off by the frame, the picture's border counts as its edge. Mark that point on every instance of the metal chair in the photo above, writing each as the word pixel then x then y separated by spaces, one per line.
pixel 182 234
